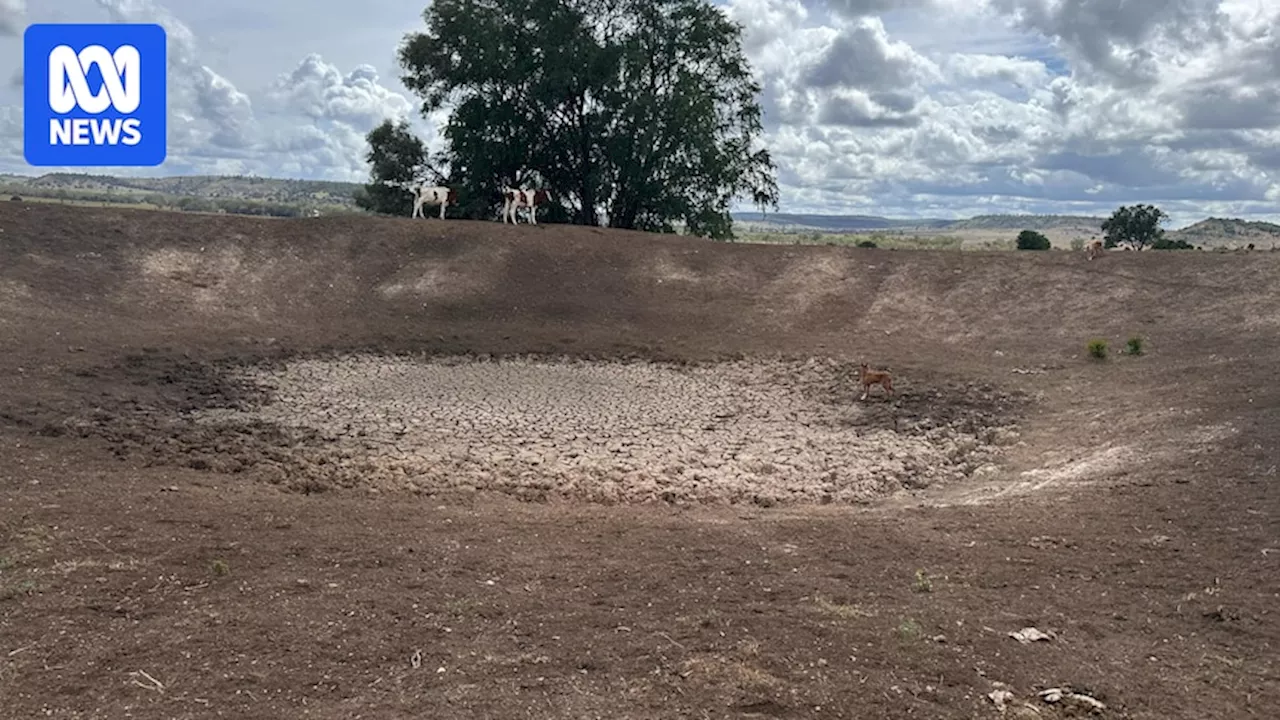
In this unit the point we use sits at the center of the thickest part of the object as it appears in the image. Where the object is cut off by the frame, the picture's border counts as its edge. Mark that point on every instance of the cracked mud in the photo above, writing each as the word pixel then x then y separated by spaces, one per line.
pixel 537 429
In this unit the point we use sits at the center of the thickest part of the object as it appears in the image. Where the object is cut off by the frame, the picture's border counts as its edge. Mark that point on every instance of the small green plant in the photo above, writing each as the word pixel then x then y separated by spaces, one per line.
pixel 220 567
pixel 1098 349
pixel 26 587
pixel 923 583
pixel 1077 244
pixel 909 630
pixel 1135 345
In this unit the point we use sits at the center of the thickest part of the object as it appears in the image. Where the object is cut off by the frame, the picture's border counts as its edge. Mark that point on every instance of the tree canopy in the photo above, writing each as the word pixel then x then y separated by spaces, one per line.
pixel 395 155
pixel 644 112
pixel 1032 240
pixel 1138 226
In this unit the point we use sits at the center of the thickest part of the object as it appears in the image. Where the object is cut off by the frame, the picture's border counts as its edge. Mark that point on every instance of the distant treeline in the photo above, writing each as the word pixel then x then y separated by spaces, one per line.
pixel 236 206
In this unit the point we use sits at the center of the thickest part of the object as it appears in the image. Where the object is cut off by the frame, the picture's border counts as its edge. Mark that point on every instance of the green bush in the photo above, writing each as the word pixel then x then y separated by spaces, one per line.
pixel 1032 240
pixel 1167 244
pixel 1135 345
pixel 867 244
pixel 1098 349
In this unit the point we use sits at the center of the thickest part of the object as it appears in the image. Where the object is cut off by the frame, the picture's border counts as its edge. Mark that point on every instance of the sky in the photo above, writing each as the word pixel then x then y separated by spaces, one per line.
pixel 901 108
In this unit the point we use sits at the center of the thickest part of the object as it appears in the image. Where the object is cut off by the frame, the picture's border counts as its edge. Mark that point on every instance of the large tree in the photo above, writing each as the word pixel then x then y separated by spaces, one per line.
pixel 643 111
pixel 1138 226
pixel 395 155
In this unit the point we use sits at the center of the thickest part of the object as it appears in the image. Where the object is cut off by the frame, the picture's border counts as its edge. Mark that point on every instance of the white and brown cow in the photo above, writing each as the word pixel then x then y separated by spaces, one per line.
pixel 424 194
pixel 432 195
pixel 514 198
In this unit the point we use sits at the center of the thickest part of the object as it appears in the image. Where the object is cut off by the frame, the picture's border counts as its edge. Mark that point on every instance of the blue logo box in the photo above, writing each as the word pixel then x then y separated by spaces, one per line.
pixel 94 95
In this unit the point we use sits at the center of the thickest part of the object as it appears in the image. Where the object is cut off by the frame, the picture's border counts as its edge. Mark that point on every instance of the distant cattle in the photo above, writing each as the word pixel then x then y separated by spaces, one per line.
pixel 514 198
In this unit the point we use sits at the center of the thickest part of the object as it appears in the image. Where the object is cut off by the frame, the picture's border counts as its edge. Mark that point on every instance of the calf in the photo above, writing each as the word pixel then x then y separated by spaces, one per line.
pixel 424 194
pixel 514 198
pixel 1093 249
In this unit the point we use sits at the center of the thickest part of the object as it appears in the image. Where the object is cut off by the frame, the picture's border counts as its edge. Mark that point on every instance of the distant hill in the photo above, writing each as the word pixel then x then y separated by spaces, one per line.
pixel 1028 222
pixel 856 223
pixel 207 193
pixel 1229 232
pixel 834 223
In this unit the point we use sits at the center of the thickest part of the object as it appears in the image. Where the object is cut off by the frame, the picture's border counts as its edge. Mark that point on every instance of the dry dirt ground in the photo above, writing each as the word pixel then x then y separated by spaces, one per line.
pixel 385 468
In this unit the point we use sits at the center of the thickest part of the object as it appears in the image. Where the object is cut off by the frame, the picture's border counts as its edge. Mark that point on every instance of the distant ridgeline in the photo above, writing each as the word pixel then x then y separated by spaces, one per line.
pixel 251 195
pixel 197 193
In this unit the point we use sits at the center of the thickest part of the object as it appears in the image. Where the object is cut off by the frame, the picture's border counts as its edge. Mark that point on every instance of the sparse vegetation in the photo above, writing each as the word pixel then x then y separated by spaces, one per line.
pixel 1134 346
pixel 909 629
pixel 1032 240
pixel 923 584
pixel 26 587
pixel 221 568
pixel 867 244
pixel 841 610
pixel 1098 349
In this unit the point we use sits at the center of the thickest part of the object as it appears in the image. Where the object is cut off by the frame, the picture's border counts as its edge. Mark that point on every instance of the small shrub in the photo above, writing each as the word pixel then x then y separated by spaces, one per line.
pixel 1032 240
pixel 1098 349
pixel 1077 244
pixel 909 629
pixel 1134 346
pixel 867 244
pixel 220 567
pixel 923 583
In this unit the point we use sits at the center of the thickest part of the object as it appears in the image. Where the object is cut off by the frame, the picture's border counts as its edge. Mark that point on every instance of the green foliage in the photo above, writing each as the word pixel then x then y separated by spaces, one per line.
pixel 1135 346
pixel 642 110
pixel 1032 240
pixel 1138 226
pixel 1098 349
pixel 867 244
pixel 1165 243
pixel 394 155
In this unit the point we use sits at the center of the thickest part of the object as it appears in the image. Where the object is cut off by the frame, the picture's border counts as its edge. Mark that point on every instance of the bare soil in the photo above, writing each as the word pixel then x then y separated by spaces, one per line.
pixel 391 468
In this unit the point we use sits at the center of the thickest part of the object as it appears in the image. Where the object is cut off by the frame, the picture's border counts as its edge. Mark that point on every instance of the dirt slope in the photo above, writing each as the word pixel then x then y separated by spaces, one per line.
pixel 199 278
pixel 1135 516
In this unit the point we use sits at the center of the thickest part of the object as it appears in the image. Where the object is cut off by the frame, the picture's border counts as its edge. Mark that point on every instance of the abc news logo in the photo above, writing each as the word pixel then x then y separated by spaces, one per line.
pixel 69 89
pixel 95 94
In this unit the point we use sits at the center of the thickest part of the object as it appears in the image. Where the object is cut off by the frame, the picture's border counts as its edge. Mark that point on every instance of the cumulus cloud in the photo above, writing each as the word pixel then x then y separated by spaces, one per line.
pixel 891 107
pixel 320 91
pixel 1077 106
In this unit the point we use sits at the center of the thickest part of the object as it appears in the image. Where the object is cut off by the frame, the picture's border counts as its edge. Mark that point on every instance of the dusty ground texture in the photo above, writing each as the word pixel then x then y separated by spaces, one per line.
pixel 187 527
